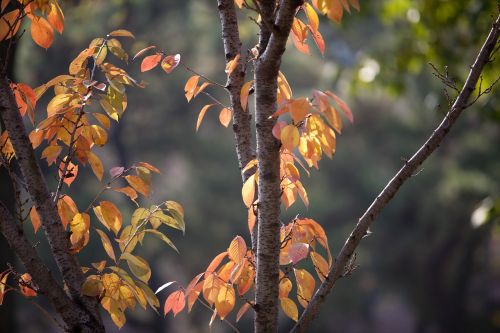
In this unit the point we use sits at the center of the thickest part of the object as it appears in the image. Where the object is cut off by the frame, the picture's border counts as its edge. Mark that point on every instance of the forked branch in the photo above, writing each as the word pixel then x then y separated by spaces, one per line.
pixel 409 168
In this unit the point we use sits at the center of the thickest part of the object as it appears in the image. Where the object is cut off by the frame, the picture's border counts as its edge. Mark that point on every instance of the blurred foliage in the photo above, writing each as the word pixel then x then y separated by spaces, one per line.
pixel 425 268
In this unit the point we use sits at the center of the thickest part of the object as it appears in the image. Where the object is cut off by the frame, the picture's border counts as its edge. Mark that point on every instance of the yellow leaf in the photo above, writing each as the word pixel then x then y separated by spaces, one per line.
pixel 138 266
pixel 226 298
pixel 290 308
pixel 215 263
pixel 225 116
pixel 285 287
pixel 320 265
pixel 248 191
pixel 201 115
pixel 311 16
pixel 284 90
pixel 290 137
pixel 305 286
pixel 56 17
pixel 79 227
pixel 42 32
pixel 106 243
pixel 51 153
pixel 96 165
pixel 58 103
pixel 211 287
pixel 237 249
pixel 92 287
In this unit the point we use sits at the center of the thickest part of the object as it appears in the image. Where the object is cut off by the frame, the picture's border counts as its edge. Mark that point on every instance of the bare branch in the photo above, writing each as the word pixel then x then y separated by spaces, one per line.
pixel 399 179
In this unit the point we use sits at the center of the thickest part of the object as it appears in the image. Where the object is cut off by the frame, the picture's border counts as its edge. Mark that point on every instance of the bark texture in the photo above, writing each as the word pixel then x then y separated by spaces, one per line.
pixel 271 47
pixel 46 208
pixel 399 179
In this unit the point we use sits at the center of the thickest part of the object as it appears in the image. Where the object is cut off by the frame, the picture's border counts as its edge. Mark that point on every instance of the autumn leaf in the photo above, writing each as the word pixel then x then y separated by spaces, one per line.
pixel 290 137
pixel 175 302
pixel 215 263
pixel 202 114
pixel 35 219
pixel 150 62
pixel 96 165
pixel 9 24
pixel 138 266
pixel 225 301
pixel 248 191
pixel 106 243
pixel 231 65
pixel 244 308
pixel 138 184
pixel 121 33
pixel 225 116
pixel 244 93
pixel 142 51
pixel 190 87
pixel 42 32
pixel 26 284
pixel 56 17
pixel 237 249
pixel 289 308
pixel 170 62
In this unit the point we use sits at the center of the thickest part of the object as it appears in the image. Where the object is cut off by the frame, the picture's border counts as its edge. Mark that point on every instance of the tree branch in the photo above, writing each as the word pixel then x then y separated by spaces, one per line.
pixel 69 311
pixel 235 80
pixel 46 208
pixel 267 67
pixel 399 179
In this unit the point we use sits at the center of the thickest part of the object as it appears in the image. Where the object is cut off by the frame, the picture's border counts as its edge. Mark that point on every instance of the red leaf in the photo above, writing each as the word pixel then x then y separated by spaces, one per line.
pixel 150 62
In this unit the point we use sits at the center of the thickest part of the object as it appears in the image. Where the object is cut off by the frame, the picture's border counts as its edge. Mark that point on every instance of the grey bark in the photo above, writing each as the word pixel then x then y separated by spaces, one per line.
pixel 46 208
pixel 399 179
pixel 267 67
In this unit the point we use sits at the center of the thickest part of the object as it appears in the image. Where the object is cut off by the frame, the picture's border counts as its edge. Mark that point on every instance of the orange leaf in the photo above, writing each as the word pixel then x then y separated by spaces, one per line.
pixel 138 184
pixel 170 62
pixel 96 165
pixel 290 308
pixel 149 167
pixel 245 91
pixel 237 249
pixel 225 116
pixel 35 219
pixel 248 191
pixel 128 191
pixel 42 32
pixel 25 283
pixel 251 219
pixel 175 302
pixel 56 17
pixel 190 87
pixel 71 172
pixel 150 62
pixel 305 286
pixel 290 137
pixel 231 65
pixel 9 24
pixel 215 263
pixel 343 106
pixel 320 265
pixel 121 33
pixel 318 39
pixel 112 217
pixel 202 114
pixel 299 36
pixel 225 300
pixel 244 308
pixel 311 16
pixel 51 153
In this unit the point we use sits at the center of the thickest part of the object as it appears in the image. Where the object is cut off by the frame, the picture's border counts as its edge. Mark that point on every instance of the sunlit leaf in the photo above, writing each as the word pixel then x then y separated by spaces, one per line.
pixel 190 87
pixel 106 243
pixel 138 184
pixel 237 249
pixel 35 219
pixel 225 116
pixel 245 91
pixel 215 263
pixel 138 266
pixel 170 62
pixel 150 62
pixel 96 165
pixel 121 33
pixel 289 308
pixel 164 286
pixel 226 299
pixel 231 65
pixel 248 191
pixel 289 137
pixel 42 32
pixel 244 308
pixel 202 114
pixel 92 286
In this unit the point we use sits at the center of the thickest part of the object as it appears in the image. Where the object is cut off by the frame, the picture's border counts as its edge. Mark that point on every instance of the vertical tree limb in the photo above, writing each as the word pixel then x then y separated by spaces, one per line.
pixel 267 67
pixel 235 80
pixel 46 208
pixel 76 319
pixel 399 179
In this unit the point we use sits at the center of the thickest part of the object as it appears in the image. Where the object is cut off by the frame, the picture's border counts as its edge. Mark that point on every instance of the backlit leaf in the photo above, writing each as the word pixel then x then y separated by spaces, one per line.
pixel 142 51
pixel 215 263
pixel 138 184
pixel 237 249
pixel 245 91
pixel 231 65
pixel 170 62
pixel 248 191
pixel 225 116
pixel 202 114
pixel 138 266
pixel 226 299
pixel 190 87
pixel 244 308
pixel 96 165
pixel 162 237
pixel 121 33
pixel 150 62
pixel 35 219
pixel 290 137
pixel 289 308
pixel 175 302
pixel 9 24
pixel 42 32
pixel 106 243
pixel 164 286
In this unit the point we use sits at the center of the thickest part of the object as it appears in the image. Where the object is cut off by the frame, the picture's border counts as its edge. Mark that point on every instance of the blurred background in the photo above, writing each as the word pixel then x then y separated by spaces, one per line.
pixel 432 262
